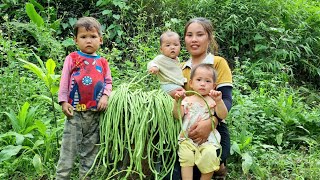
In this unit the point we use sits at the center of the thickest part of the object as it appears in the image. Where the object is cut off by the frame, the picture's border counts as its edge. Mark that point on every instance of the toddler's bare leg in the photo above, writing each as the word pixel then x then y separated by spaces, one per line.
pixel 187 173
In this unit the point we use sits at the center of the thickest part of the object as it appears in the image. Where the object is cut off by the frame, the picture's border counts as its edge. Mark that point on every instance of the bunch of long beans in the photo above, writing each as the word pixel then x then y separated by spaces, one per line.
pixel 138 129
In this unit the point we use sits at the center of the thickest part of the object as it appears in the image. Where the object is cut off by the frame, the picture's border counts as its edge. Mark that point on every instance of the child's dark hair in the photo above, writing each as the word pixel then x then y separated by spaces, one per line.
pixel 89 23
pixel 169 34
pixel 206 66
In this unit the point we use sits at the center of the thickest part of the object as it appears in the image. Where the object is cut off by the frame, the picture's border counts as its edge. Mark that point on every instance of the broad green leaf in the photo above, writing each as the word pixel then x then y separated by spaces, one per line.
pixel 68 42
pixel 41 127
pixel 266 146
pixel 55 77
pixel 235 148
pixel 260 47
pixel 33 15
pixel 72 21
pixel 14 120
pixel 35 69
pixel 39 61
pixel 290 101
pixel 35 3
pixel 38 143
pixel 246 142
pixel 279 138
pixel 9 151
pixel 246 164
pixel 116 16
pixel 258 37
pixel 106 12
pixel 23 115
pixel 55 25
pixel 29 129
pixel 37 164
pixel 50 65
pixel 19 139
pixel 54 89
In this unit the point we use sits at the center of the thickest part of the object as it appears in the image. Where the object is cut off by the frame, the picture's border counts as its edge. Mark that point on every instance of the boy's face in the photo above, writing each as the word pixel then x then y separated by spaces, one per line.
pixel 170 46
pixel 202 81
pixel 88 41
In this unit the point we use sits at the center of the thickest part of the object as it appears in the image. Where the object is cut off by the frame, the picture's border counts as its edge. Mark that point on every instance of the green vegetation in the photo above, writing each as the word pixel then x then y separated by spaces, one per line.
pixel 273 48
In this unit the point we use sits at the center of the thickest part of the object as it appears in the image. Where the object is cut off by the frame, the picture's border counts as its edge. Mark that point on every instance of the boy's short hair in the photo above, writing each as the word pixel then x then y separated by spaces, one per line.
pixel 89 23
pixel 169 34
pixel 207 66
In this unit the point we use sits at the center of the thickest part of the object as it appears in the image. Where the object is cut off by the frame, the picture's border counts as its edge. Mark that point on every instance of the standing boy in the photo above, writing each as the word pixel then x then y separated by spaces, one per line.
pixel 84 90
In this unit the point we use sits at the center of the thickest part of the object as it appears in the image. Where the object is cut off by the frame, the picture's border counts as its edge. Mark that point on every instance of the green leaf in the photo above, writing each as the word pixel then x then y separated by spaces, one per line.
pixel 55 25
pixel 106 12
pixel 258 37
pixel 9 151
pixel 72 21
pixel 37 164
pixel 23 115
pixel 50 65
pixel 246 164
pixel 38 71
pixel 279 138
pixel 41 8
pixel 260 47
pixel 68 42
pixel 33 15
pixel 38 143
pixel 14 121
pixel 235 148
pixel 19 138
pixel 39 61
pixel 54 89
pixel 41 127
pixel 116 16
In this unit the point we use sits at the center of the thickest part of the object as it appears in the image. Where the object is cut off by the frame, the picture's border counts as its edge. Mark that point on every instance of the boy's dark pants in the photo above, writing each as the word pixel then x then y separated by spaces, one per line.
pixel 80 137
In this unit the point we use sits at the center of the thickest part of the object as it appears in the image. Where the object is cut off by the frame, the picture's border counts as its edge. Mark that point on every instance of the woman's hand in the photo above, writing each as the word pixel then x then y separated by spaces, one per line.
pixel 199 131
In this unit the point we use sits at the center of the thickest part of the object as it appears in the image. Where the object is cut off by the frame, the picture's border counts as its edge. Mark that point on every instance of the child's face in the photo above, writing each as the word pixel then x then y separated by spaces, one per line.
pixel 88 41
pixel 202 81
pixel 170 46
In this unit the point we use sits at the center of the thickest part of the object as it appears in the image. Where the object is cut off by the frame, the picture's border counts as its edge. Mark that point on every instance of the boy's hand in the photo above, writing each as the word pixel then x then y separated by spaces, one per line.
pixel 215 95
pixel 103 103
pixel 154 70
pixel 179 94
pixel 67 109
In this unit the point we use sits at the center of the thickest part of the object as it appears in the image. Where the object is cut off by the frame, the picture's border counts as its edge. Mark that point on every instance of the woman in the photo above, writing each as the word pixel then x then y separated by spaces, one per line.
pixel 201 44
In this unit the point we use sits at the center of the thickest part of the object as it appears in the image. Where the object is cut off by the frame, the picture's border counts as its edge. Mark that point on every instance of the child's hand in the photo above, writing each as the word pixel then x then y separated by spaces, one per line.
pixel 180 94
pixel 103 103
pixel 154 70
pixel 67 109
pixel 215 95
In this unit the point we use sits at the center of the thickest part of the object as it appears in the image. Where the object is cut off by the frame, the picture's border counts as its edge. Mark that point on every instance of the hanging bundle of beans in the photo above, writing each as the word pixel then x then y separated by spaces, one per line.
pixel 138 132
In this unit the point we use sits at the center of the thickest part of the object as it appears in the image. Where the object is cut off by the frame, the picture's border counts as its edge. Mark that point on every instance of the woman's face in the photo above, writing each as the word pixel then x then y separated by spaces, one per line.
pixel 196 39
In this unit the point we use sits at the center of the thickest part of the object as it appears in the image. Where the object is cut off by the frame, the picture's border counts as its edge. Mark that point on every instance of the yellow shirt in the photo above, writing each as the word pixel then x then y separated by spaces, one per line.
pixel 224 77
